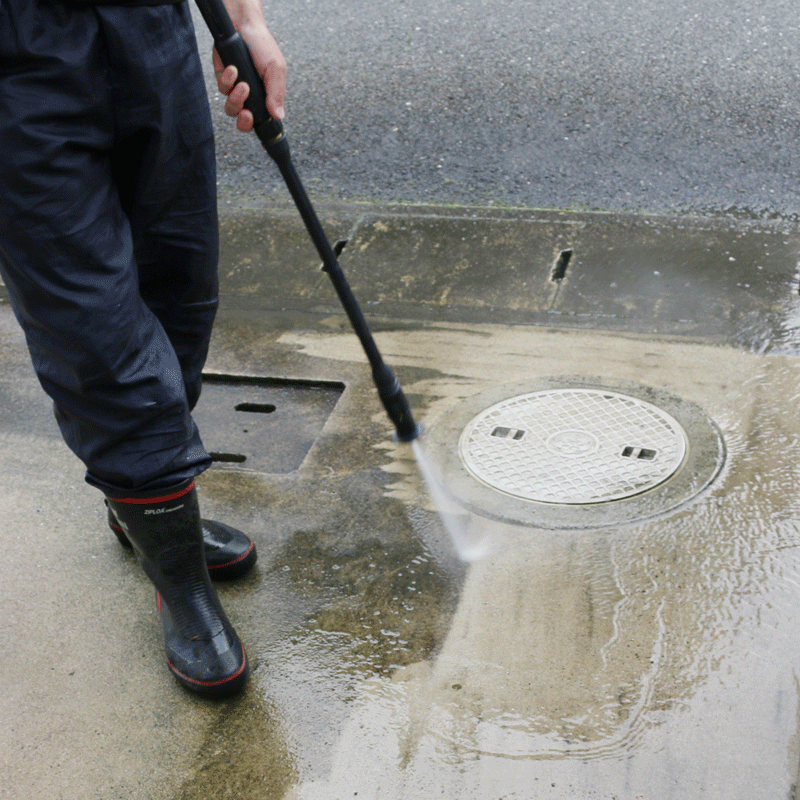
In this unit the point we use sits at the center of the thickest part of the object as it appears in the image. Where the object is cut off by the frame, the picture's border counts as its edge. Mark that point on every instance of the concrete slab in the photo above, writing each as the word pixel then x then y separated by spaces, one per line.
pixel 270 256
pixel 656 658
pixel 260 423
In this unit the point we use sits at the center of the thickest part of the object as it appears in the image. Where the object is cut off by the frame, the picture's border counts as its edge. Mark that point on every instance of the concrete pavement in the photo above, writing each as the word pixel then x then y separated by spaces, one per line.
pixel 650 653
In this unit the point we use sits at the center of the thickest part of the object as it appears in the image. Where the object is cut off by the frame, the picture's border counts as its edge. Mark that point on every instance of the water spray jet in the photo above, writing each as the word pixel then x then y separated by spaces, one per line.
pixel 232 50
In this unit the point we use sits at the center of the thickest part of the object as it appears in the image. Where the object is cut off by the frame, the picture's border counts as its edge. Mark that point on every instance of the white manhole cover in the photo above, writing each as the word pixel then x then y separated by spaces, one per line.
pixel 573 446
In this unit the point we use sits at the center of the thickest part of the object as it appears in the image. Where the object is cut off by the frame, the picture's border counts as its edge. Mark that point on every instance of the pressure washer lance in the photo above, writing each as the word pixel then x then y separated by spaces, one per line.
pixel 232 50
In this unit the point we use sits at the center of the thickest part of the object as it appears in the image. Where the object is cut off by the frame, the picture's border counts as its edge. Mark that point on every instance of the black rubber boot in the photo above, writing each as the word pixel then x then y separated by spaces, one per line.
pixel 203 651
pixel 229 553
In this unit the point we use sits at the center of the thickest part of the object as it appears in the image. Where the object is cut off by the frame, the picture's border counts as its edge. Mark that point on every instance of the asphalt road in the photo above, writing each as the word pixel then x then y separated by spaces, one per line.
pixel 653 106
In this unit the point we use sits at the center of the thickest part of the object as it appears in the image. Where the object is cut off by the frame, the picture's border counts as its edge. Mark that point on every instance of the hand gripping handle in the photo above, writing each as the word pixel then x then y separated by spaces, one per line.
pixel 233 50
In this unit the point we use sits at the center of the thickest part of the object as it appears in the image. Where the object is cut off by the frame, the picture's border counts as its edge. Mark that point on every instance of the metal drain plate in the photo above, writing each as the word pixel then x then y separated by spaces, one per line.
pixel 574 452
pixel 262 424
pixel 573 446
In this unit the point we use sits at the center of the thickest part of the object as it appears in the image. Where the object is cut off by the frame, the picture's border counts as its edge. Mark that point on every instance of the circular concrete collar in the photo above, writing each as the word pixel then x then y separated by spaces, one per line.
pixel 569 452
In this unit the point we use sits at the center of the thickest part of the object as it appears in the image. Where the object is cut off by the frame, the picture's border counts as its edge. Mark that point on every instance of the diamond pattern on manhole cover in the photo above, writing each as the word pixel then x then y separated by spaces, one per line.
pixel 573 446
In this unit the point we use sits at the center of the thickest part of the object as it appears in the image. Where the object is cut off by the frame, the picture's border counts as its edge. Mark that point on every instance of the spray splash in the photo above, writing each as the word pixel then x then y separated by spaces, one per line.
pixel 470 545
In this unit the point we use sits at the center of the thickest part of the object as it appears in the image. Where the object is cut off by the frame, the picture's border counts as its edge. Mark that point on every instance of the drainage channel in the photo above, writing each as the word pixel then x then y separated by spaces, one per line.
pixel 568 452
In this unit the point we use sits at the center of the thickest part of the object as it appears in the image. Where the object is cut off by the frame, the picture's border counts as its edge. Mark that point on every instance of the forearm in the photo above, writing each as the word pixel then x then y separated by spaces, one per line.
pixel 245 13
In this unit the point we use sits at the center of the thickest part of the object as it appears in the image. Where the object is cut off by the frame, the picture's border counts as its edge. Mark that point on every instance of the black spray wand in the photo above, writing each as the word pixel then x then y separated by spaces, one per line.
pixel 232 50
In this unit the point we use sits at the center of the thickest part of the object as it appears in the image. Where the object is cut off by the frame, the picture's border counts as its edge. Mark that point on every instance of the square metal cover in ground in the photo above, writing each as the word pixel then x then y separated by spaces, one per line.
pixel 262 424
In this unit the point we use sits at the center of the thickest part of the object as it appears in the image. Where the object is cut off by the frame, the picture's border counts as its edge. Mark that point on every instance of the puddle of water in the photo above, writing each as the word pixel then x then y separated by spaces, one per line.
pixel 377 608
pixel 389 604
pixel 244 755
pixel 631 671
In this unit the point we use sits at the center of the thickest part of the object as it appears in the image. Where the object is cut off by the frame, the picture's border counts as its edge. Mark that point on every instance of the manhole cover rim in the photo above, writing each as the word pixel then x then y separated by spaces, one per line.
pixel 704 460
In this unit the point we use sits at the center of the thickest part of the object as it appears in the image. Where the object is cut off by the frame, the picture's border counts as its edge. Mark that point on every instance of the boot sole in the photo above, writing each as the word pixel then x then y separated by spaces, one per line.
pixel 233 569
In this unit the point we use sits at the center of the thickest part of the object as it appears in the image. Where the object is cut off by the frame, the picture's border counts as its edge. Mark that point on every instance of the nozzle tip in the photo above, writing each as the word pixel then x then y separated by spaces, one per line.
pixel 414 431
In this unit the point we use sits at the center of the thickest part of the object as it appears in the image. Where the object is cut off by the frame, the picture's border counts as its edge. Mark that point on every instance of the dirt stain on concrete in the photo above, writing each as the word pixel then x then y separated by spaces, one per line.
pixel 392 600
pixel 243 757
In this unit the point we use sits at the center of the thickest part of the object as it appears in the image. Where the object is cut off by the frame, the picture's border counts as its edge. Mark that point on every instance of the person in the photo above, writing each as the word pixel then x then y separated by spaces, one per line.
pixel 108 249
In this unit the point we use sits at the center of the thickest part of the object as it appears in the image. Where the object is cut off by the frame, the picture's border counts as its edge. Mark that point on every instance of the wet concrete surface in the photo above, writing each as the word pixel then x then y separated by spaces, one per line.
pixel 653 658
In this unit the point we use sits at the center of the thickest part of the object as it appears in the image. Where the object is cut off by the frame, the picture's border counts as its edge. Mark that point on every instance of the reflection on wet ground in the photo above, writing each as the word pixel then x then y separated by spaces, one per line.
pixel 652 659
pixel 386 606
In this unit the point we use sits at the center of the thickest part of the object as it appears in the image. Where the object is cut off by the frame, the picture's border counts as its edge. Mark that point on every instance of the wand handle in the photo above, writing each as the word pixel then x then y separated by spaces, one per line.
pixel 233 50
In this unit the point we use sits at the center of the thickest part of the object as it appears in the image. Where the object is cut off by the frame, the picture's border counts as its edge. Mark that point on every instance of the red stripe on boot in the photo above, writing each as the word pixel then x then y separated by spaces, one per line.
pixel 211 683
pixel 143 501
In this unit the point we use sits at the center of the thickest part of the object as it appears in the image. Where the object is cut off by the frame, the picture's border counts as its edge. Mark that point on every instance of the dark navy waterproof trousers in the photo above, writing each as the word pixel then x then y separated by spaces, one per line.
pixel 108 228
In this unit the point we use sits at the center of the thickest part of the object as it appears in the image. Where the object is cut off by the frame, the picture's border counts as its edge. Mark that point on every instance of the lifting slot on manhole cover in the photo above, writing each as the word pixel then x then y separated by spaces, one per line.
pixel 639 452
pixel 508 433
